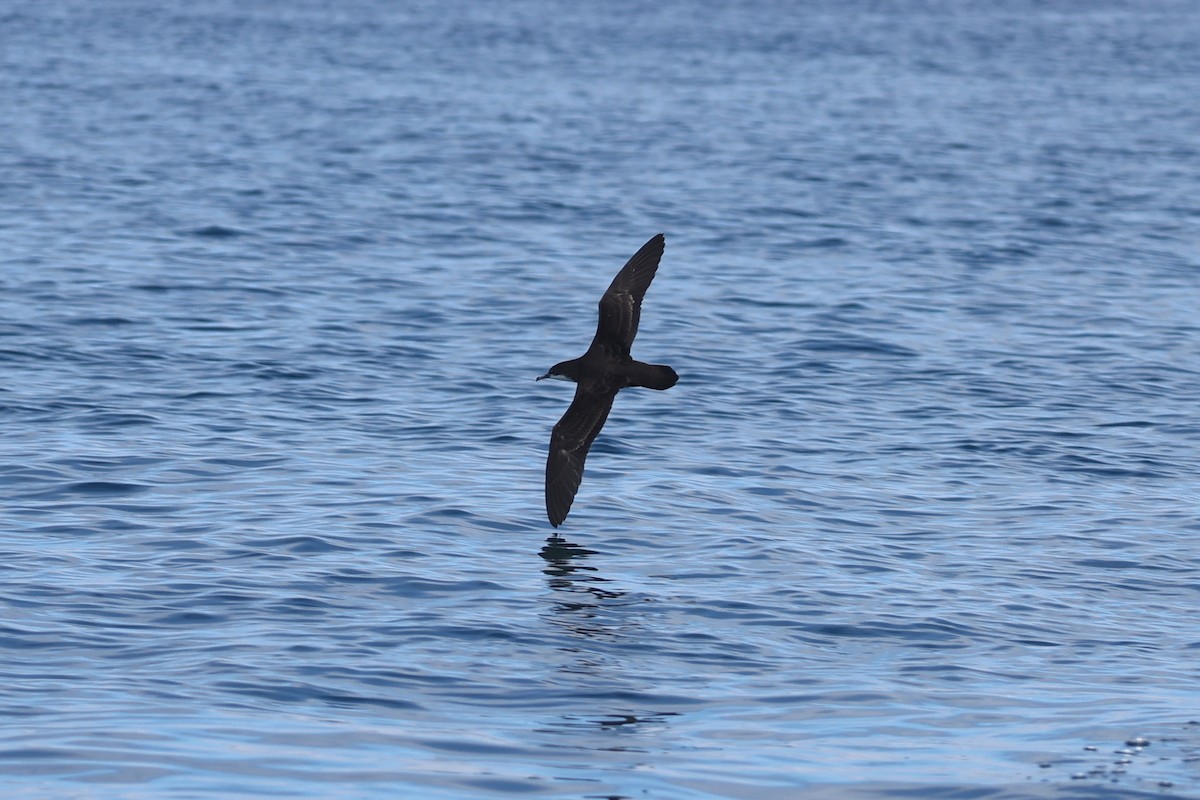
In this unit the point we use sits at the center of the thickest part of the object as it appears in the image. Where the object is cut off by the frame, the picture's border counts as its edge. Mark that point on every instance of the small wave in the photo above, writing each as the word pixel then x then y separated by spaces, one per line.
pixel 103 488
pixel 217 232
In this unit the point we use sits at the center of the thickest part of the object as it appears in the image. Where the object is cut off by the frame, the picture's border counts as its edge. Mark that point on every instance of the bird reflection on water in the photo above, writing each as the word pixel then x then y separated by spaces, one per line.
pixel 568 573
pixel 619 712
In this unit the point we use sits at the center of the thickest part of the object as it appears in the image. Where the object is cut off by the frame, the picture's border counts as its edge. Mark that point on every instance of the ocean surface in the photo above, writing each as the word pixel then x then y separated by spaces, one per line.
pixel 921 519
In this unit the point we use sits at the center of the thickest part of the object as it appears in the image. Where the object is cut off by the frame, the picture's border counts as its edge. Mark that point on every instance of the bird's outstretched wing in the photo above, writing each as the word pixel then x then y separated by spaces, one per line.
pixel 569 445
pixel 621 305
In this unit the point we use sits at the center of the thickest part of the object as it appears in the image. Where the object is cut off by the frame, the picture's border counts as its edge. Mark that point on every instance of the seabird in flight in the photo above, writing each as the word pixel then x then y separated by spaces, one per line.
pixel 605 369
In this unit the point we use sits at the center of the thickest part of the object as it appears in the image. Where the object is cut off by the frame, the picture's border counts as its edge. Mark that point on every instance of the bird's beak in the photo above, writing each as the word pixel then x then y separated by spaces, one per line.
pixel 542 377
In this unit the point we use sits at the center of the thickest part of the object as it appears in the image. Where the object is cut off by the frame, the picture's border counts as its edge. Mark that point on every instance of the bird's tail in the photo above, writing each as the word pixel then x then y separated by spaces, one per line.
pixel 651 376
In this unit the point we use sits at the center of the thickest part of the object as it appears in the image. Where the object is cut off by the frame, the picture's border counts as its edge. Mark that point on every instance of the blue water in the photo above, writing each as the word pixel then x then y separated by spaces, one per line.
pixel 920 518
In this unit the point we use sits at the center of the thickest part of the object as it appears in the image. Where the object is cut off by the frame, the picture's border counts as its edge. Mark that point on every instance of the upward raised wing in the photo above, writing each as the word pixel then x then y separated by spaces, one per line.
pixel 621 305
pixel 569 445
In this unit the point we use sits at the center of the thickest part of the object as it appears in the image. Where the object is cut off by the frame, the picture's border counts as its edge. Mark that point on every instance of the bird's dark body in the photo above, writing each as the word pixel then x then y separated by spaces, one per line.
pixel 605 369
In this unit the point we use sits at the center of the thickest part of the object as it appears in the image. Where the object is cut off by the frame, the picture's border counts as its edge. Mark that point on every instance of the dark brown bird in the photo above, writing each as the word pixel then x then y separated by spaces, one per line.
pixel 605 369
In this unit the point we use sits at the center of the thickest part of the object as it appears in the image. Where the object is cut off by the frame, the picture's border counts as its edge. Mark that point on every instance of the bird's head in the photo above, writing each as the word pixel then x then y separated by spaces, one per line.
pixel 562 371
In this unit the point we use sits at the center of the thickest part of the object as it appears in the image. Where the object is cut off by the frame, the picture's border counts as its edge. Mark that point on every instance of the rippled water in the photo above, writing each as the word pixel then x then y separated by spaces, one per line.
pixel 920 518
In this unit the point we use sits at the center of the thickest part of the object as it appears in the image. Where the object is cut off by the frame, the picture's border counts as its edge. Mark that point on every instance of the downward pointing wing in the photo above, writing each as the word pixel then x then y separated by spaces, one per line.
pixel 569 445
